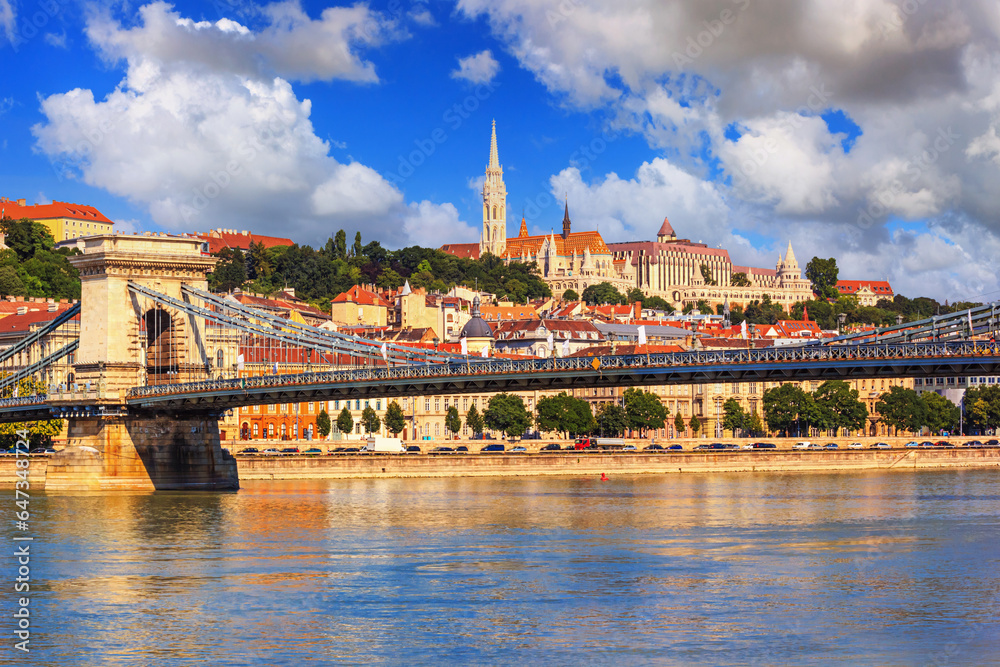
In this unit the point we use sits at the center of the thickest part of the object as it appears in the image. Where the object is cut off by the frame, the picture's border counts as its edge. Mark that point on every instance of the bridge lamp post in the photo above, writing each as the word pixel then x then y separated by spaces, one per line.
pixel 841 319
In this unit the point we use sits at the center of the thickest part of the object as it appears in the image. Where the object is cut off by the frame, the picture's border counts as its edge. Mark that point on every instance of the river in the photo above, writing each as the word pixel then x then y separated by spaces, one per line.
pixel 768 569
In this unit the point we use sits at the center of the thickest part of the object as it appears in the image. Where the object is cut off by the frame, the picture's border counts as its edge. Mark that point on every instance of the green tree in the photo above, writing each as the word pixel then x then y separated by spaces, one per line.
pixel 754 426
pixel 229 273
pixel 10 282
pixel 902 409
pixel 734 417
pixel 258 264
pixel 570 295
pixel 982 407
pixel 680 426
pixel 506 412
pixel 942 414
pixel 474 420
pixel 644 410
pixel 602 293
pixel 452 420
pixel 345 422
pixel 323 424
pixel 787 406
pixel 611 420
pixel 840 406
pixel 564 414
pixel 657 303
pixel 357 250
pixel 694 425
pixel 739 279
pixel 706 274
pixel 823 274
pixel 395 421
pixel 370 420
pixel 26 237
pixel 340 244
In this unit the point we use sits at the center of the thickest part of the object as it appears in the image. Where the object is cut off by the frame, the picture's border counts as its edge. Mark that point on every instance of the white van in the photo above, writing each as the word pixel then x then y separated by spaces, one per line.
pixel 381 445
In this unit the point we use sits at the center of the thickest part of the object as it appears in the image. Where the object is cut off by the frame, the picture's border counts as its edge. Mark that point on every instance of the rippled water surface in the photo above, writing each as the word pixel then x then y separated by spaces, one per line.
pixel 879 568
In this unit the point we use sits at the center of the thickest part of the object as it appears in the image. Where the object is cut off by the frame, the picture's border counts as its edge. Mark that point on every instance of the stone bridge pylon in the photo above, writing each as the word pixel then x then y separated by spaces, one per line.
pixel 126 341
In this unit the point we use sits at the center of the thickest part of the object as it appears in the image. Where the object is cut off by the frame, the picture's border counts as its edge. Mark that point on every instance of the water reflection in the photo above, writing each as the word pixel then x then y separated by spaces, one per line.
pixel 684 569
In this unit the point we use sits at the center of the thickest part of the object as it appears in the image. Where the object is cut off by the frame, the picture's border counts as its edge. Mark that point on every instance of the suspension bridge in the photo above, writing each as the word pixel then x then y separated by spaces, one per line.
pixel 144 365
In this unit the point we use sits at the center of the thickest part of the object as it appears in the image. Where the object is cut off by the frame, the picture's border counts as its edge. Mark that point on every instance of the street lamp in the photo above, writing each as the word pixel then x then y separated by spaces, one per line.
pixel 841 319
pixel 899 319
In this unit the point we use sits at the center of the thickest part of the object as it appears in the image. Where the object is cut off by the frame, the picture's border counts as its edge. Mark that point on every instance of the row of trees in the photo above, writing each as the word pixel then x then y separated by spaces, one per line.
pixel 319 275
pixel 834 405
pixel 508 414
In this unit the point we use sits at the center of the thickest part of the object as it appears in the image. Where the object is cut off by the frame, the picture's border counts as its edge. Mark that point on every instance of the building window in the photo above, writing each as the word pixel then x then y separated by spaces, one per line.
pixel 465 404
pixel 256 408
pixel 336 405
pixel 446 405
pixel 437 429
pixel 378 404
pixel 272 408
pixel 427 405
pixel 437 405
pixel 255 431
pixel 270 430
pixel 220 359
pixel 357 404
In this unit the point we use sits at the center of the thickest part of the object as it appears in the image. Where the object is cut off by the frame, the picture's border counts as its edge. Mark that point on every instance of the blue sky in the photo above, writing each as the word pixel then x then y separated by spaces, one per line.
pixel 868 133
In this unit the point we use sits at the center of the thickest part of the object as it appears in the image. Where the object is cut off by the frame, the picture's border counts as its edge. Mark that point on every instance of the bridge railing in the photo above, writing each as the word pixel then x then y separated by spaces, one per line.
pixel 637 362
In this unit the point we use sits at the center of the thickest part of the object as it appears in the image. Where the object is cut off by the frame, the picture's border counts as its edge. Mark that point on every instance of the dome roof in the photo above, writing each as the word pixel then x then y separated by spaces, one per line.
pixel 476 327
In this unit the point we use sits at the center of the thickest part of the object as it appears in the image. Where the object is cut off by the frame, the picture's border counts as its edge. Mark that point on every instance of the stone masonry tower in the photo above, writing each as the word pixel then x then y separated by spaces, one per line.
pixel 494 236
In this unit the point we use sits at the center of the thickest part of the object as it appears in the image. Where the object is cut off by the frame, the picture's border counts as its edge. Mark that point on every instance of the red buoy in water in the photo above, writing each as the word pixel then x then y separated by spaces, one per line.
pixel 604 477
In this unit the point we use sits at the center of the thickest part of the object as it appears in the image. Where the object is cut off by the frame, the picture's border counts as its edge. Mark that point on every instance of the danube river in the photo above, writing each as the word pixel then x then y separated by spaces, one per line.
pixel 897 568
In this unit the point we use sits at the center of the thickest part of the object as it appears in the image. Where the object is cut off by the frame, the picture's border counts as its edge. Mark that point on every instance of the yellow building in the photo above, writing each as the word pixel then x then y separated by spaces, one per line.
pixel 62 219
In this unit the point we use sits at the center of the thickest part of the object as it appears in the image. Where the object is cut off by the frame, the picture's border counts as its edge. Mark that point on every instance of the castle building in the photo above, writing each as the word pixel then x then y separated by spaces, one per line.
pixel 671 268
pixel 62 219
pixel 570 260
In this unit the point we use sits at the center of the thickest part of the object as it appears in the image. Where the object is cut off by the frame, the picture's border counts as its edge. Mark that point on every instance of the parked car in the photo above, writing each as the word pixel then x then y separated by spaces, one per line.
pixel 461 448
pixel 675 447
pixel 943 443
pixel 412 449
pixel 249 451
pixel 350 450
pixel 703 446
pixel 654 448
pixel 42 450
pixel 629 448
pixel 551 447
pixel 764 445
pixel 831 445
pixel 974 444
pixel 313 451
pixel 800 445
pixel 992 443
pixel 495 447
pixel 271 451
pixel 290 450
pixel 912 443
pixel 880 445
pixel 855 445
pixel 926 443
pixel 570 447
pixel 519 450
pixel 442 450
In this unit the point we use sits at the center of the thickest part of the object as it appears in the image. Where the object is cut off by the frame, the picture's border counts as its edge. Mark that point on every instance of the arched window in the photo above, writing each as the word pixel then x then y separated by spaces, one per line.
pixel 220 359
pixel 270 430
pixel 494 212
pixel 501 211
pixel 255 431
pixel 284 431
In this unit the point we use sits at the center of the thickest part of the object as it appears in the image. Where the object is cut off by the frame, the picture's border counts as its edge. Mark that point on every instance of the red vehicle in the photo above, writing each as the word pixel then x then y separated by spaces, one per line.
pixel 599 443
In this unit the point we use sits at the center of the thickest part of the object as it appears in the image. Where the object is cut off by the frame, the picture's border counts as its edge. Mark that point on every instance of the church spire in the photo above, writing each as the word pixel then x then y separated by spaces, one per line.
pixel 494 157
pixel 524 228
pixel 566 223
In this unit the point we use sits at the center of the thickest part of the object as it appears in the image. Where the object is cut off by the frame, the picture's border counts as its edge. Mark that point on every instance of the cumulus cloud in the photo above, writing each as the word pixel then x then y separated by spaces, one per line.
pixel 205 134
pixel 429 224
pixel 478 68
pixel 921 80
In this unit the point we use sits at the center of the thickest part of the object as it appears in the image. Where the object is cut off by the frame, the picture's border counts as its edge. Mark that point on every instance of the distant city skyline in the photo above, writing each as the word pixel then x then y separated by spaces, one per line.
pixel 862 132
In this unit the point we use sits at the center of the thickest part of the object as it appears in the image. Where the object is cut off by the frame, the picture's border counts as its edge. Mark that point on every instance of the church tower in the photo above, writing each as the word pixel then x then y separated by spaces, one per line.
pixel 494 236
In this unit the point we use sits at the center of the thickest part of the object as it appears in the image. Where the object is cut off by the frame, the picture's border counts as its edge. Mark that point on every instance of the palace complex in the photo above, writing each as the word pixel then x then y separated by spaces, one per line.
pixel 668 267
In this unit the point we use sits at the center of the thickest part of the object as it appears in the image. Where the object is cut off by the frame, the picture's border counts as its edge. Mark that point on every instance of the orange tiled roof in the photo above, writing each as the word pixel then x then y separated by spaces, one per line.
pixel 852 286
pixel 57 209
pixel 497 313
pixel 218 239
pixel 574 243
pixel 361 296
pixel 23 323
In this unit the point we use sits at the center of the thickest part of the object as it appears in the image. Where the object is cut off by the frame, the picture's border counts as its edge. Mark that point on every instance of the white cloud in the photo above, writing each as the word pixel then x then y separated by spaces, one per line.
pixel 204 139
pixel 293 46
pixel 56 41
pixel 8 21
pixel 431 225
pixel 478 68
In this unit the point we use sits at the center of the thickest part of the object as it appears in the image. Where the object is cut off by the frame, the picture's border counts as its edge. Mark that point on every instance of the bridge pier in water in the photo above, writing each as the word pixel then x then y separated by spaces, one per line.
pixel 139 453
